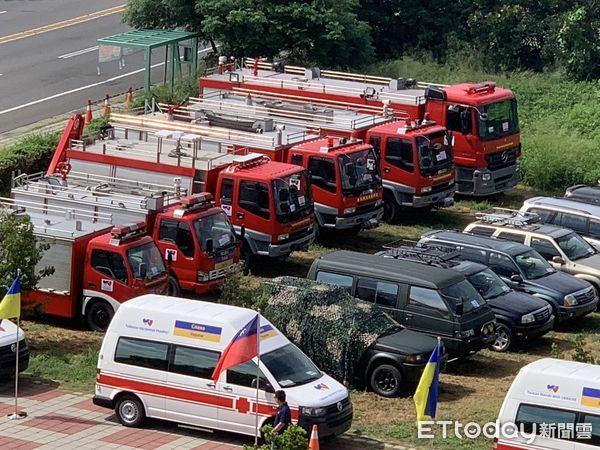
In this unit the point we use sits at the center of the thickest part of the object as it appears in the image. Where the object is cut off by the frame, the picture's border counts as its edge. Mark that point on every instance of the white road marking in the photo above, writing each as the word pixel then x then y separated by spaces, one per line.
pixel 83 88
pixel 78 52
pixel 3 12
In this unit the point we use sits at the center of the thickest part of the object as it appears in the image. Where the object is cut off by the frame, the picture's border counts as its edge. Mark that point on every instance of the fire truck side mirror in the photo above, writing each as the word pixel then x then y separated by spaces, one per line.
pixel 209 246
pixel 143 271
pixel 243 233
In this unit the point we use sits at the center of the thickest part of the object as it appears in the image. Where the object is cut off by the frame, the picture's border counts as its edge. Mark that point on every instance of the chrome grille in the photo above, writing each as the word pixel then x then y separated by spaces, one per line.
pixel 542 314
pixel 585 296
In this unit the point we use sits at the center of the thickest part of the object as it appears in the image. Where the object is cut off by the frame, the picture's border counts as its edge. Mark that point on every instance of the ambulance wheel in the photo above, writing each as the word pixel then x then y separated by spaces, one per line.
pixel 504 339
pixel 98 315
pixel 130 411
pixel 391 209
pixel 174 289
pixel 386 380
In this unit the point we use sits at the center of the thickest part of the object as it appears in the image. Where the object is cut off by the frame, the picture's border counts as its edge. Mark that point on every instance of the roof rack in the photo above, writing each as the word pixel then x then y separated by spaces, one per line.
pixel 435 255
pixel 506 216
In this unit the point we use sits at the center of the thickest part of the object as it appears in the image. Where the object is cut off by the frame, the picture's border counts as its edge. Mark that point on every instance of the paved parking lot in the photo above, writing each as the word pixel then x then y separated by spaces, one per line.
pixel 60 419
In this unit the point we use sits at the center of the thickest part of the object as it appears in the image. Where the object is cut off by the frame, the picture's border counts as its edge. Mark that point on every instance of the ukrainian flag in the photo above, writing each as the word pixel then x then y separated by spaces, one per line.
pixel 10 306
pixel 426 395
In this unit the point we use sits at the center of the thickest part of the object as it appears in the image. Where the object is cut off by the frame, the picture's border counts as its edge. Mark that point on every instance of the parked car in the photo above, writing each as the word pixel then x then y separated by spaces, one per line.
pixel 435 301
pixel 580 217
pixel 159 353
pixel 555 402
pixel 523 269
pixel 8 349
pixel 519 316
pixel 584 194
pixel 564 249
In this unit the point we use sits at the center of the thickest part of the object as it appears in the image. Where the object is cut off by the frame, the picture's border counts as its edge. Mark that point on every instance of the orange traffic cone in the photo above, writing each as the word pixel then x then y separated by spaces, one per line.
pixel 106 108
pixel 314 439
pixel 129 98
pixel 88 113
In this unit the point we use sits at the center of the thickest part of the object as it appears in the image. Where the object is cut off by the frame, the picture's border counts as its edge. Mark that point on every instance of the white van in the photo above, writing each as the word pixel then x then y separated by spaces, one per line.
pixel 557 404
pixel 159 353
pixel 8 349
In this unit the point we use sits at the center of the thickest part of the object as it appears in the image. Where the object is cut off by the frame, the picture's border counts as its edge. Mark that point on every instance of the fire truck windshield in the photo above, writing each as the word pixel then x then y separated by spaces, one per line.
pixel 293 199
pixel 359 172
pixel 435 153
pixel 145 261
pixel 216 227
pixel 497 120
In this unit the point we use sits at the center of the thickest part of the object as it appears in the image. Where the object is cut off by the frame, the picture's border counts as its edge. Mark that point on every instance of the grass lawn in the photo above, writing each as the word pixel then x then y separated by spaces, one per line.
pixel 471 389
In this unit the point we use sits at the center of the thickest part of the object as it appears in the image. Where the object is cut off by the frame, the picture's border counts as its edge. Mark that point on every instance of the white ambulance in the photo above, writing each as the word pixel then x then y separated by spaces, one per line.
pixel 552 404
pixel 8 349
pixel 159 353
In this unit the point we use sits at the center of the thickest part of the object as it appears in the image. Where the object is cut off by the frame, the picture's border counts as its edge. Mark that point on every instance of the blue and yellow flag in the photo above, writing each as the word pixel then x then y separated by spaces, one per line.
pixel 10 306
pixel 426 395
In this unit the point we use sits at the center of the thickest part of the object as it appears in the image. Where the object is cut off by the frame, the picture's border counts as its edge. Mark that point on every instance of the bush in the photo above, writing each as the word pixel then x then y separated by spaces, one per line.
pixel 294 438
pixel 29 155
pixel 183 89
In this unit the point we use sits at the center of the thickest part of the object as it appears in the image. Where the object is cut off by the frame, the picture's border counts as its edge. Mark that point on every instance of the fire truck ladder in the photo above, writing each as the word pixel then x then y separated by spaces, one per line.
pixel 506 216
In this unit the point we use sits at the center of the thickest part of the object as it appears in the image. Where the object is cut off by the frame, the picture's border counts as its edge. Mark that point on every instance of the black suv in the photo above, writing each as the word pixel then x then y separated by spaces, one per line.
pixel 519 316
pixel 584 194
pixel 523 269
pixel 435 301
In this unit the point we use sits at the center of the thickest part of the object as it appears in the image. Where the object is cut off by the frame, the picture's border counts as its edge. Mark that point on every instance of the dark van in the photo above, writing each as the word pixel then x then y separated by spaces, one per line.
pixel 432 300
pixel 523 269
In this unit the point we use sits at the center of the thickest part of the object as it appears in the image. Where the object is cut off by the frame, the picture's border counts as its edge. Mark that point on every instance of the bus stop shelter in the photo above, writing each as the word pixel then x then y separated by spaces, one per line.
pixel 146 41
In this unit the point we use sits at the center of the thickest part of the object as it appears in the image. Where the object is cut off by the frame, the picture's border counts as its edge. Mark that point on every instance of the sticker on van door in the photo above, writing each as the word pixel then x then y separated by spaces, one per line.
pixel 106 285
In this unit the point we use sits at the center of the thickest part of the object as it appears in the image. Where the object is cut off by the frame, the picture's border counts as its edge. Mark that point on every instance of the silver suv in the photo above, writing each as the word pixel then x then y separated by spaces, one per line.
pixel 564 249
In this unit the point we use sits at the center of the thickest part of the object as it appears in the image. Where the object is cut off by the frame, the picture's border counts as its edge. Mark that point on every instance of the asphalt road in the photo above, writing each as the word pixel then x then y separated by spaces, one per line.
pixel 48 63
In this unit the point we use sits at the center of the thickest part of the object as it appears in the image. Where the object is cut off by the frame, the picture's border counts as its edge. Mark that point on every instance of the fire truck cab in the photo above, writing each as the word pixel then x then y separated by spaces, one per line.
pixel 345 181
pixel 417 164
pixel 96 266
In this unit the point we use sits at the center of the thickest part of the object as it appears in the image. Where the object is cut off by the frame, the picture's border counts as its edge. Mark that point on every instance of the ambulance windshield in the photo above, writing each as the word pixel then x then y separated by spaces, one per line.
pixel 145 261
pixel 290 367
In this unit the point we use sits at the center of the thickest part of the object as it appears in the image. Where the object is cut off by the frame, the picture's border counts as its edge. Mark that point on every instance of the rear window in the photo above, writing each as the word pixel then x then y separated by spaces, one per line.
pixel 541 419
pixel 336 279
pixel 142 353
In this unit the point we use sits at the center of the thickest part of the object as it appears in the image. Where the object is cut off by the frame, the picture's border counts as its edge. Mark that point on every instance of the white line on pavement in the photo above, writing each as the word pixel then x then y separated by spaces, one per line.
pixel 3 12
pixel 83 88
pixel 78 52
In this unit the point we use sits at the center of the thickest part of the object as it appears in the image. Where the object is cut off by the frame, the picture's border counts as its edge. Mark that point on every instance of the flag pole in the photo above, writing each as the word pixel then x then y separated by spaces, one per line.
pixel 17 415
pixel 257 379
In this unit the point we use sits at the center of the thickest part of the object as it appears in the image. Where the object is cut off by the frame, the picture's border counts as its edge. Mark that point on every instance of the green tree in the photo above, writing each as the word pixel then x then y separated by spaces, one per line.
pixel 321 32
pixel 19 250
pixel 579 41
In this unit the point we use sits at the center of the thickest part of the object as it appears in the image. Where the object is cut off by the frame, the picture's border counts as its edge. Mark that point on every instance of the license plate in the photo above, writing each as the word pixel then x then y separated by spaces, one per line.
pixel 223 264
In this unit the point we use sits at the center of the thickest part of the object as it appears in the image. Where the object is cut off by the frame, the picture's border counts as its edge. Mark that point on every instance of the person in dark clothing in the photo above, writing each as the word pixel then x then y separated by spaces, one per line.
pixel 283 419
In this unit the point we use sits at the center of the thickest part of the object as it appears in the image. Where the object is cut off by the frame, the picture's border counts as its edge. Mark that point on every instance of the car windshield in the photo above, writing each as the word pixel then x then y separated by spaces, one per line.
pixel 575 247
pixel 533 265
pixel 488 284
pixel 148 255
pixel 293 198
pixel 499 120
pixel 359 172
pixel 435 153
pixel 463 292
pixel 216 227
pixel 290 367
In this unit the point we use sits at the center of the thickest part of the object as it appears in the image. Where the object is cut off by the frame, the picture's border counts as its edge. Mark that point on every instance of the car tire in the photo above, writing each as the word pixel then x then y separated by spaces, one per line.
pixel 98 315
pixel 505 339
pixel 130 411
pixel 174 289
pixel 386 380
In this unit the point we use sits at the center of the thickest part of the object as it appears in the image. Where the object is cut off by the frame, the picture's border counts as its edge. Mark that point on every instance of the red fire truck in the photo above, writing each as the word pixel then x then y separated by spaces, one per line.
pixel 482 117
pixel 195 238
pixel 405 181
pixel 269 203
pixel 97 266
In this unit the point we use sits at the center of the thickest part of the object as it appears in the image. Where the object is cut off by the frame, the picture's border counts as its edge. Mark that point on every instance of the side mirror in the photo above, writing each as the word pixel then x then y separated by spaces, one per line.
pixel 243 233
pixel 209 246
pixel 459 307
pixel 143 270
pixel 464 121
pixel 266 386
pixel 558 260
pixel 516 279
pixel 426 162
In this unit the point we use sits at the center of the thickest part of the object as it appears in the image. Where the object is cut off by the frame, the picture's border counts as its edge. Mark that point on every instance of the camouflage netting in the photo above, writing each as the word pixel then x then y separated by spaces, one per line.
pixel 325 322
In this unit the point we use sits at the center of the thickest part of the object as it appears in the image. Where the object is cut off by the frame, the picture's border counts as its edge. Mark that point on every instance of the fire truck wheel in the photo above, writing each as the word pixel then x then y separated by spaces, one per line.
pixel 391 209
pixel 174 289
pixel 248 258
pixel 130 411
pixel 98 315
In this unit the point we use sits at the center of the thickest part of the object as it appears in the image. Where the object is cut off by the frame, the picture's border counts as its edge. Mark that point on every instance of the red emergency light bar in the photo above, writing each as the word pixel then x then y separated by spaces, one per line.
pixel 197 200
pixel 124 232
pixel 482 88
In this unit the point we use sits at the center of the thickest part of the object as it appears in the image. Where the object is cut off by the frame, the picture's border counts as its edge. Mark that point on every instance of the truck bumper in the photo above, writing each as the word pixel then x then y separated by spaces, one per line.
pixel 442 199
pixel 366 220
pixel 8 358
pixel 572 312
pixel 283 249
pixel 333 423
pixel 484 182
pixel 458 348
pixel 524 333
